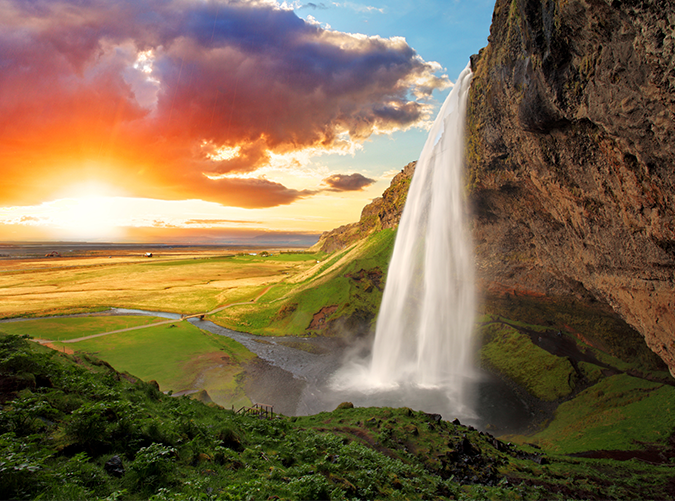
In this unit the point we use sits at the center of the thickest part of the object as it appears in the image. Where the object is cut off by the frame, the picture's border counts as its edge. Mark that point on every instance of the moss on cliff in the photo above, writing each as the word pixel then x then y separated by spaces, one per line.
pixel 512 354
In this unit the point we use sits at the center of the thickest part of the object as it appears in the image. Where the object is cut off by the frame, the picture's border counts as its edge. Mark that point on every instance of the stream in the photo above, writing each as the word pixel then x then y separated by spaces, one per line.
pixel 313 361
pixel 294 375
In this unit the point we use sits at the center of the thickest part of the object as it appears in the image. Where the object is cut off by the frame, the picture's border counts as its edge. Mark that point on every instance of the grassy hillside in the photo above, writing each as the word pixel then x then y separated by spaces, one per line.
pixel 72 427
pixel 177 355
pixel 582 398
pixel 340 293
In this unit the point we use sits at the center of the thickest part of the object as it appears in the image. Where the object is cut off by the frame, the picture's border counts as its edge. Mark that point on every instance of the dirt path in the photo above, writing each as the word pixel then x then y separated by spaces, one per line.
pixel 163 322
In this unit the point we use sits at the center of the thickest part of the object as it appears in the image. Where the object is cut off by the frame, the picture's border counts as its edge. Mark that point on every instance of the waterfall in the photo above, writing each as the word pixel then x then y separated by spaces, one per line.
pixel 421 356
pixel 424 327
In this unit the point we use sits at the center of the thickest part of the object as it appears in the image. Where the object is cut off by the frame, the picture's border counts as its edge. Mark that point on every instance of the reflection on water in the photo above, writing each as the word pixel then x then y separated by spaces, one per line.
pixel 161 314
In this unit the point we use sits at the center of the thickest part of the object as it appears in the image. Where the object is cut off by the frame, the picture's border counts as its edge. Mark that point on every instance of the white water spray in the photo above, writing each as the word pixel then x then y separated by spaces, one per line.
pixel 423 338
pixel 426 319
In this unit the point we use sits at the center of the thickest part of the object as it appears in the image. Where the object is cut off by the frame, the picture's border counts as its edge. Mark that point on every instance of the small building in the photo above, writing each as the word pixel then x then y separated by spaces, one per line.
pixel 148 254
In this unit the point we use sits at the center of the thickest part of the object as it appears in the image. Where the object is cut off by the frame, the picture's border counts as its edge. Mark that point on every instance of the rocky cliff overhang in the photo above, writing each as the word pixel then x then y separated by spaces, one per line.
pixel 571 152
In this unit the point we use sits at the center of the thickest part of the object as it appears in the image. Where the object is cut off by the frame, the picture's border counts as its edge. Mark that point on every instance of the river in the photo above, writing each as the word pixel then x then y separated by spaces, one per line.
pixel 294 375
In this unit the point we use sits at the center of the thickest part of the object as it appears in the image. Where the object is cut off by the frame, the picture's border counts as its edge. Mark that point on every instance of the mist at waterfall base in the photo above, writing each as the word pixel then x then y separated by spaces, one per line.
pixel 421 356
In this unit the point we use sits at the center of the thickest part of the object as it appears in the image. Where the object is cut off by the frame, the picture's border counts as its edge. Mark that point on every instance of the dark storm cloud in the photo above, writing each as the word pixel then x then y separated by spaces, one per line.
pixel 158 87
pixel 348 182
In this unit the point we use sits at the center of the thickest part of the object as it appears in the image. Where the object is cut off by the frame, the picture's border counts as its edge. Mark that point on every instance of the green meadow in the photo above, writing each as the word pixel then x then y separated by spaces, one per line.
pixel 61 329
pixel 618 413
pixel 179 356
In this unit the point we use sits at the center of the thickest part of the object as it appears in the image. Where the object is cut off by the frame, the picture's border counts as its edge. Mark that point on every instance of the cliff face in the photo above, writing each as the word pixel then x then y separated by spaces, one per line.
pixel 571 156
pixel 382 213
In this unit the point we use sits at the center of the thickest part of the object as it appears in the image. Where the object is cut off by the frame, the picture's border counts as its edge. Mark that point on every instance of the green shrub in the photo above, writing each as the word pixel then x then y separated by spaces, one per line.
pixel 310 487
pixel 153 467
pixel 88 425
pixel 21 466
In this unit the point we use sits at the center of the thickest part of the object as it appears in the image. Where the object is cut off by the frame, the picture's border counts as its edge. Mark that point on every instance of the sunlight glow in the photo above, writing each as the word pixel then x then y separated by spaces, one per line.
pixel 91 217
pixel 223 153
pixel 144 61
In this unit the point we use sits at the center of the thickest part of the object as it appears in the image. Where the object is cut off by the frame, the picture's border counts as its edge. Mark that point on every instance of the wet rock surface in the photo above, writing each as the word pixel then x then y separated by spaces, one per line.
pixel 571 157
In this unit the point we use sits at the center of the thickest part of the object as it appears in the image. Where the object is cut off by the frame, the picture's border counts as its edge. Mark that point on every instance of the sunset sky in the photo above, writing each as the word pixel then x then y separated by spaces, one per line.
pixel 216 121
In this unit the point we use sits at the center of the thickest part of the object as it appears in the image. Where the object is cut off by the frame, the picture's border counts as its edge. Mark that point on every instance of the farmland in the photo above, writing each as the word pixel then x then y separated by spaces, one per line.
pixel 189 281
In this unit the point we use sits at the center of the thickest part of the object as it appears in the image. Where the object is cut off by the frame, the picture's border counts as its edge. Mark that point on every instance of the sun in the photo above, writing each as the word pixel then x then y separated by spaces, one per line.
pixel 88 211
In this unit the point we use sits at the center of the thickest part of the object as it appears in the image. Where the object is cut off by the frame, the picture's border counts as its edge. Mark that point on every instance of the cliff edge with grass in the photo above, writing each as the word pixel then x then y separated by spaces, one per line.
pixel 382 213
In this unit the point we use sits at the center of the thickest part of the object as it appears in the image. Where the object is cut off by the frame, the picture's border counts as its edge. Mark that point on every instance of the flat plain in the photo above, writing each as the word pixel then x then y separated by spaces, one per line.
pixel 186 281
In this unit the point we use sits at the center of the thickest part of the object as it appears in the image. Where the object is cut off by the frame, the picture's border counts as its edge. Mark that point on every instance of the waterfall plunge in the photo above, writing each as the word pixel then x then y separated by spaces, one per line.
pixel 423 338
pixel 427 313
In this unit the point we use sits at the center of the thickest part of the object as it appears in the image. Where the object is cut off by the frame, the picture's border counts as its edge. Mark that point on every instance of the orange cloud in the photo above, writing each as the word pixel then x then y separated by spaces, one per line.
pixel 143 94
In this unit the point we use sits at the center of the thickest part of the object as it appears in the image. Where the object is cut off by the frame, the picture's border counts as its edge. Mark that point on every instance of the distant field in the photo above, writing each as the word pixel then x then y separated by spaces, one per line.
pixel 182 283
pixel 179 356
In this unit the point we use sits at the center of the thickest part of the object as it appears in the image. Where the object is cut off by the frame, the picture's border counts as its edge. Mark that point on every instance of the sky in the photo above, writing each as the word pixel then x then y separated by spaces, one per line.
pixel 216 121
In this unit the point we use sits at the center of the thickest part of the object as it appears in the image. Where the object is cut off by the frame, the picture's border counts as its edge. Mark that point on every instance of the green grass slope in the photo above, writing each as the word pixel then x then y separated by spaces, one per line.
pixel 545 376
pixel 584 398
pixel 61 329
pixel 342 291
pixel 178 356
pixel 75 428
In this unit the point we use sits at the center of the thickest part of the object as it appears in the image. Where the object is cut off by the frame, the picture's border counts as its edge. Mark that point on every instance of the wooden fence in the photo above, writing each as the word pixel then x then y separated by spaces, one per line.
pixel 264 411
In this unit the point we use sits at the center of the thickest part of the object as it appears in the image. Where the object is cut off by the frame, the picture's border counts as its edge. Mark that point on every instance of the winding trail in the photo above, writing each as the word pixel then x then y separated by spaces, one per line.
pixel 163 322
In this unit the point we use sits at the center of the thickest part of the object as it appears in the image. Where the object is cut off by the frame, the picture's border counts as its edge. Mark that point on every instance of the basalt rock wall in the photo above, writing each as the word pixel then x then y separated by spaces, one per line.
pixel 571 156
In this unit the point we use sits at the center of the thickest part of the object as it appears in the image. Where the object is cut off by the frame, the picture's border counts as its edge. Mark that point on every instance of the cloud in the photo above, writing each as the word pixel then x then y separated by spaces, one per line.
pixel 218 222
pixel 237 192
pixel 359 7
pixel 25 220
pixel 313 6
pixel 348 182
pixel 146 92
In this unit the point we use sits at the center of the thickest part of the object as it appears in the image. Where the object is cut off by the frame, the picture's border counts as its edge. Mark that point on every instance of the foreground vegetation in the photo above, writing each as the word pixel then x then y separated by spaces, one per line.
pixel 72 427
